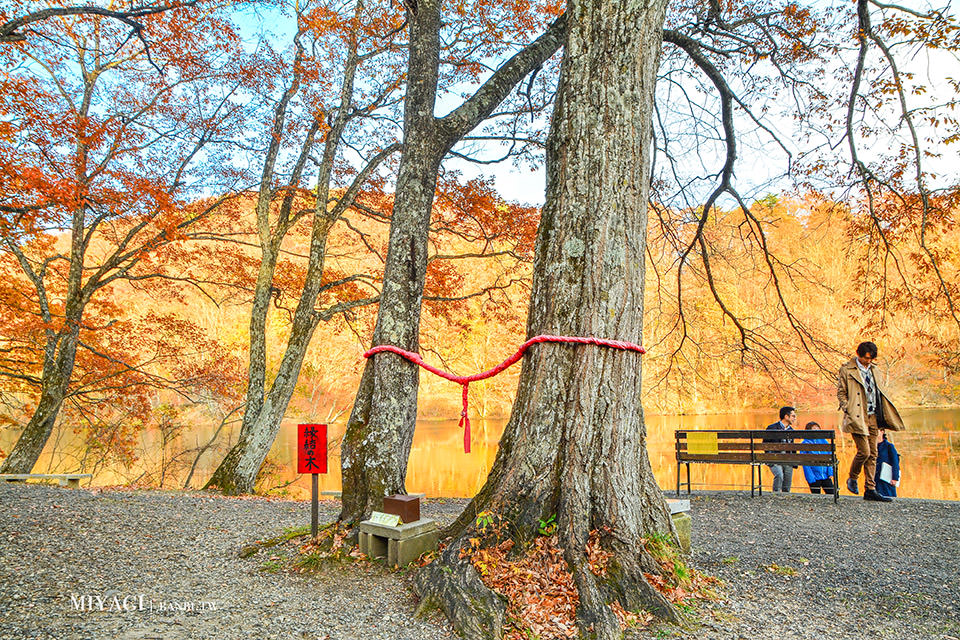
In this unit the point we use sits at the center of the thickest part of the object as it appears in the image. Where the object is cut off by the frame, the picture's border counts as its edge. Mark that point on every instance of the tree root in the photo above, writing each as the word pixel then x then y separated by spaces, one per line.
pixel 453 585
pixel 632 590
pixel 594 618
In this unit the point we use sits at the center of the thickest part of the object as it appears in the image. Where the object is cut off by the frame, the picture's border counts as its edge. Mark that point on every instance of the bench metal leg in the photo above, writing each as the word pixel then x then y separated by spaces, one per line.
pixel 688 478
pixel 836 483
pixel 678 478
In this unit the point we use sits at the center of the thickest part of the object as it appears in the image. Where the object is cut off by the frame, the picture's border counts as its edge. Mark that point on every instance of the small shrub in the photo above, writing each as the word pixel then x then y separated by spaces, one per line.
pixel 781 570
pixel 548 527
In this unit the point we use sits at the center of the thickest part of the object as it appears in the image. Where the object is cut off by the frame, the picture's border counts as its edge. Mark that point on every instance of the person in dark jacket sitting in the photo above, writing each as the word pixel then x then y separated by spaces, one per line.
pixel 817 477
pixel 887 455
pixel 782 473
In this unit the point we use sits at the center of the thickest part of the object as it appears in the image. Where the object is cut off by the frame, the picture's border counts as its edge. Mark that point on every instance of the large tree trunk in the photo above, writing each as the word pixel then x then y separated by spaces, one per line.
pixel 575 446
pixel 380 430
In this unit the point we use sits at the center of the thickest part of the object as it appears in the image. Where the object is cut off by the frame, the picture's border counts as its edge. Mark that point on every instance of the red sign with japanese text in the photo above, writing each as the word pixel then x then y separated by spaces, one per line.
pixel 311 448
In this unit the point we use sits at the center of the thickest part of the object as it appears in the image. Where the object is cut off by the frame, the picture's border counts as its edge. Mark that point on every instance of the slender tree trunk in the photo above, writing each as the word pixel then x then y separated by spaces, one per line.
pixel 59 358
pixel 61 349
pixel 575 446
pixel 265 408
pixel 377 443
pixel 380 430
pixel 37 431
pixel 227 475
pixel 238 471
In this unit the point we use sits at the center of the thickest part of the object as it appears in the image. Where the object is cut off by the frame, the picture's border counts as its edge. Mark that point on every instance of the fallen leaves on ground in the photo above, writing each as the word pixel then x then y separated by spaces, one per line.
pixel 540 592
pixel 541 595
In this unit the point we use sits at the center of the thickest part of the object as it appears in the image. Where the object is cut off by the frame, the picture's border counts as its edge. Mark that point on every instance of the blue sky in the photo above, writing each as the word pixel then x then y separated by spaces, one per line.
pixel 758 167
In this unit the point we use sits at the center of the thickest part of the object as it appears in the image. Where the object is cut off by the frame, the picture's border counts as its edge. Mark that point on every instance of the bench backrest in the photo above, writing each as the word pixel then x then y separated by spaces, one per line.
pixel 752 446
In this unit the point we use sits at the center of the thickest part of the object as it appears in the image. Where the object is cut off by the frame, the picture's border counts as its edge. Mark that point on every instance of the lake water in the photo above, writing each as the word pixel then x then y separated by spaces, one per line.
pixel 929 453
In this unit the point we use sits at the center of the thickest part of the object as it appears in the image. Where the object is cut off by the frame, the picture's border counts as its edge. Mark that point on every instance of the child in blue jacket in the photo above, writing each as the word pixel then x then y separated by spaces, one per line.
pixel 887 454
pixel 817 477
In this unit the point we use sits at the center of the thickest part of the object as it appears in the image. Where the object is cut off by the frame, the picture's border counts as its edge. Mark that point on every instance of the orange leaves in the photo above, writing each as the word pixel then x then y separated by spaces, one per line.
pixel 483 33
pixel 675 594
pixel 541 595
pixel 540 591
pixel 676 581
pixel 329 541
pixel 630 618
pixel 103 144
pixel 475 211
pixel 597 556
pixel 699 587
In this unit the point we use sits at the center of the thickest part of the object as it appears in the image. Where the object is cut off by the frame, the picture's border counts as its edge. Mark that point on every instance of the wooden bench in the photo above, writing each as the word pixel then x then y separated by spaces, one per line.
pixel 71 480
pixel 726 446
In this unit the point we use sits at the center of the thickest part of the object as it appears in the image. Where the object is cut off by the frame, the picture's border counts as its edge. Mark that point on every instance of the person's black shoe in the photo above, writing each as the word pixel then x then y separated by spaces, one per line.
pixel 852 486
pixel 870 494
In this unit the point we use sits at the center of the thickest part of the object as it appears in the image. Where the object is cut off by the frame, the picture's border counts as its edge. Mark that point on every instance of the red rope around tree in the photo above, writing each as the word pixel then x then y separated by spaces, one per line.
pixel 466 380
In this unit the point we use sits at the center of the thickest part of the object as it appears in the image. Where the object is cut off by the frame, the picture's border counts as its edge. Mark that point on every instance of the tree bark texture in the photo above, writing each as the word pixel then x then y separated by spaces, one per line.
pixel 575 445
pixel 380 430
pixel 60 351
pixel 377 442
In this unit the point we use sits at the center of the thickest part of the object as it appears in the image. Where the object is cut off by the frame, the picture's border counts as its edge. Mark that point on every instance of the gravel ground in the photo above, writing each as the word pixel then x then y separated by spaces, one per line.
pixel 181 548
pixel 795 566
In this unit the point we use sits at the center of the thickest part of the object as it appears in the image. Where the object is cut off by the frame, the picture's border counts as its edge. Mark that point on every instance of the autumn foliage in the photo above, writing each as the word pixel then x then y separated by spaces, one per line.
pixel 108 146
pixel 131 168
pixel 540 591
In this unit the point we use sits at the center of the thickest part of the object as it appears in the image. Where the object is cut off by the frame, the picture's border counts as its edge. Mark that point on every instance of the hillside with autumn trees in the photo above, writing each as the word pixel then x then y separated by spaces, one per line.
pixel 190 345
pixel 219 218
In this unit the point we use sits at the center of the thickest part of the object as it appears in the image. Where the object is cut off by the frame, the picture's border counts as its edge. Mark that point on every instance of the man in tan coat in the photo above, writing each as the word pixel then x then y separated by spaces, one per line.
pixel 866 412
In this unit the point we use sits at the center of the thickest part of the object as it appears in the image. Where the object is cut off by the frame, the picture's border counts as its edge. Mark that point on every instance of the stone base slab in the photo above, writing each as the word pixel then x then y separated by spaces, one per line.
pixel 399 545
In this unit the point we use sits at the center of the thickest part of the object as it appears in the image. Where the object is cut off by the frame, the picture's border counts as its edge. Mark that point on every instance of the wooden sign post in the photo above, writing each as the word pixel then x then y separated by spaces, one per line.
pixel 312 459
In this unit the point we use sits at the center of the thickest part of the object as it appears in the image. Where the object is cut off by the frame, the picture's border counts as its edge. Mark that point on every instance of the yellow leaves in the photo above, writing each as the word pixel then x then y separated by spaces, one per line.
pixel 781 570
pixel 630 618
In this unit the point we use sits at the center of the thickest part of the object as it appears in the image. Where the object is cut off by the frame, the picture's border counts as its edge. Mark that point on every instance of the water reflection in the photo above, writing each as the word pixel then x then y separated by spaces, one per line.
pixel 929 452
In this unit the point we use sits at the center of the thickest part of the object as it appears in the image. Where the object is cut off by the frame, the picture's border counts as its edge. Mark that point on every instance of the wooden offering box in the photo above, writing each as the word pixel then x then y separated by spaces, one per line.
pixel 407 507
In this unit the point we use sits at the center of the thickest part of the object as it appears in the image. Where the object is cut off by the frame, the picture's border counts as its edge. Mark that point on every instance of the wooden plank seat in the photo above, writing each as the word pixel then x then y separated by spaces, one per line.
pixel 71 480
pixel 753 447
